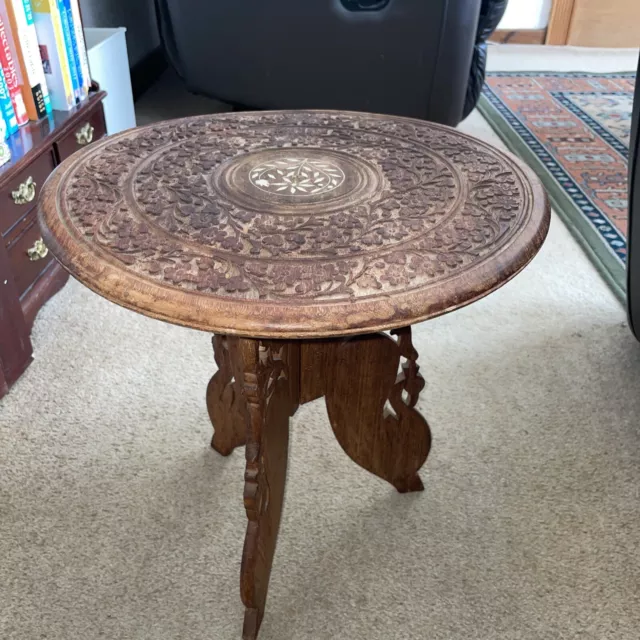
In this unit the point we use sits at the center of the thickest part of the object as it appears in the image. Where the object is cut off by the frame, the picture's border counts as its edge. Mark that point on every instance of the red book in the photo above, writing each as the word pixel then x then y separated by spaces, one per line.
pixel 11 75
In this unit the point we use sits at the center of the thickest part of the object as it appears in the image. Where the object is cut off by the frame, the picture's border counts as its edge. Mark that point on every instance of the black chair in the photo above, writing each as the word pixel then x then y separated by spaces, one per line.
pixel 633 230
pixel 419 58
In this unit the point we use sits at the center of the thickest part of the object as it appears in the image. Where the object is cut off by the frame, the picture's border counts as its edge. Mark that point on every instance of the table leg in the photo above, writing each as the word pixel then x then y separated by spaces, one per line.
pixel 256 390
pixel 371 406
pixel 224 402
pixel 266 373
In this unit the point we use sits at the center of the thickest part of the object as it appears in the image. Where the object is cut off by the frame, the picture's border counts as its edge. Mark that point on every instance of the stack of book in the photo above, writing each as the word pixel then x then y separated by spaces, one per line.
pixel 43 60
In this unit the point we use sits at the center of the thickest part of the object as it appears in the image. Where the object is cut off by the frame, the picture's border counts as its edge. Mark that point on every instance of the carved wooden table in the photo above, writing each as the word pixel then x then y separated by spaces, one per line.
pixel 296 238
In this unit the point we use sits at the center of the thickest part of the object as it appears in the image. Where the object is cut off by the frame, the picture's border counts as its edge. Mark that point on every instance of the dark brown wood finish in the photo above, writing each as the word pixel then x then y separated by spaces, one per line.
pixel 89 128
pixel 36 138
pixel 315 361
pixel 27 265
pixel 34 175
pixel 263 371
pixel 49 282
pixel 296 237
pixel 28 273
pixel 376 426
pixel 15 344
pixel 224 402
pixel 259 385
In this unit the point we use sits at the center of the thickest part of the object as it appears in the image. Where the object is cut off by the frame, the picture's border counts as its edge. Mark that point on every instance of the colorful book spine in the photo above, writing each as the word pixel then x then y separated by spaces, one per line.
pixel 34 88
pixel 82 48
pixel 12 74
pixel 67 28
pixel 4 129
pixel 53 53
pixel 6 107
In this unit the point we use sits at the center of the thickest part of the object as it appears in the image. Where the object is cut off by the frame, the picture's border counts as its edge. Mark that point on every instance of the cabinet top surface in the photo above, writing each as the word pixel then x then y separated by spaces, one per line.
pixel 36 137
pixel 293 223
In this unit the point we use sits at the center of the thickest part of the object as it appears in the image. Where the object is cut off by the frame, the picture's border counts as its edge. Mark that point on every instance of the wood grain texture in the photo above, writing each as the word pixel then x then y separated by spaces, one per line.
pixel 519 36
pixel 559 21
pixel 610 23
pixel 316 358
pixel 293 224
pixel 371 407
pixel 262 369
pixel 371 404
pixel 224 402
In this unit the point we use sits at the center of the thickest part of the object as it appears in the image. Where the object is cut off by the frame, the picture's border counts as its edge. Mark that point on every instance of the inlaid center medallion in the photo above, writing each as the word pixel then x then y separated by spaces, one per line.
pixel 297 176
pixel 299 180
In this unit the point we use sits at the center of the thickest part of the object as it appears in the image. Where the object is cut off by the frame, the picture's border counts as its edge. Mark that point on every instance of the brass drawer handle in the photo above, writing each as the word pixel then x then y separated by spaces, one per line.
pixel 38 251
pixel 25 193
pixel 85 134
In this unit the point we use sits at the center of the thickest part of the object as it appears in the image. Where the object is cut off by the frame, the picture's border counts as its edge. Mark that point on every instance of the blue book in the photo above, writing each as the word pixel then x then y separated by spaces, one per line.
pixel 6 107
pixel 66 17
pixel 75 53
pixel 4 129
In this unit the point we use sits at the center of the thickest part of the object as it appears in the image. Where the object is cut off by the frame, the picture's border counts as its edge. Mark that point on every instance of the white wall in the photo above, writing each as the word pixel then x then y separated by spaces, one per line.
pixel 138 16
pixel 526 14
pixel 109 63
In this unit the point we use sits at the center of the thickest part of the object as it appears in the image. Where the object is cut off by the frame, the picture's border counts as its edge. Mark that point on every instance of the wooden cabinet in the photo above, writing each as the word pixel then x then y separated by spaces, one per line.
pixel 20 194
pixel 88 129
pixel 28 274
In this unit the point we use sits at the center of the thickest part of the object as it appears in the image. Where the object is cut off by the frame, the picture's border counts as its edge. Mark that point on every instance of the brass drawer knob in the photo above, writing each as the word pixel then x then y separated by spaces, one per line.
pixel 25 193
pixel 84 135
pixel 38 251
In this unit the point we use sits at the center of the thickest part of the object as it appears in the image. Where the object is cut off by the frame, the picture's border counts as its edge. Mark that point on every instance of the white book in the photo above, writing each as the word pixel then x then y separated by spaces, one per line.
pixel 53 53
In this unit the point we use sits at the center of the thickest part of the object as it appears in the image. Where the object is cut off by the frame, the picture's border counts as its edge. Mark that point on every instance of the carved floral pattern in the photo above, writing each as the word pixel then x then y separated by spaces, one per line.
pixel 443 202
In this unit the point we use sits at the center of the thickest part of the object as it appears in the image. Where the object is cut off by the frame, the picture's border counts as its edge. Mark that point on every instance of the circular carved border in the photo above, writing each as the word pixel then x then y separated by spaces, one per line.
pixel 500 219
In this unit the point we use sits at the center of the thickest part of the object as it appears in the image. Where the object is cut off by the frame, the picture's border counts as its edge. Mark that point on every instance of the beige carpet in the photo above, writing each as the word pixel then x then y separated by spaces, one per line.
pixel 118 522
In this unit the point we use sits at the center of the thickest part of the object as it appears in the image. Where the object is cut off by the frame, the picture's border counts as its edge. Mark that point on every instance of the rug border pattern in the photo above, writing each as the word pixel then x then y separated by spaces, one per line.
pixel 606 135
pixel 590 226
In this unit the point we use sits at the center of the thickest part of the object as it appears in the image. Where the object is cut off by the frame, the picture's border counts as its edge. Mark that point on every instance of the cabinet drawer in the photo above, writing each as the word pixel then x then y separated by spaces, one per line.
pixel 91 128
pixel 21 193
pixel 26 269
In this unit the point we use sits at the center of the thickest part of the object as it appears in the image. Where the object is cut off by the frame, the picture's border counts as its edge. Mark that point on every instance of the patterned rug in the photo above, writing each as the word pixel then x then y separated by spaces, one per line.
pixel 574 130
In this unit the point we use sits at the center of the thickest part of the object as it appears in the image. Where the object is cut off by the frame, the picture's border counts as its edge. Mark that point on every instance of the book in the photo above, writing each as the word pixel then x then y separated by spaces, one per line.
pixel 5 151
pixel 34 85
pixel 6 107
pixel 53 53
pixel 82 47
pixel 66 34
pixel 4 133
pixel 68 29
pixel 12 74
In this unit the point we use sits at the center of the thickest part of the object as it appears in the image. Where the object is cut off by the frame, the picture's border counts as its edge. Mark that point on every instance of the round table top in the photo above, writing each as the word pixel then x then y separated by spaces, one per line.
pixel 293 224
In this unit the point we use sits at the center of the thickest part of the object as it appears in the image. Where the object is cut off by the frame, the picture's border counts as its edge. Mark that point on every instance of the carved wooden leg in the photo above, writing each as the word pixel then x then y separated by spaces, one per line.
pixel 224 402
pixel 267 373
pixel 371 406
